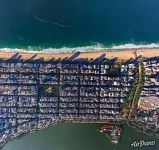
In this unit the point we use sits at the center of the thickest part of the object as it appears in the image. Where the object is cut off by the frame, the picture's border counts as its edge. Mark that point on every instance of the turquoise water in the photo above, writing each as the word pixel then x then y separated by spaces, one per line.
pixel 78 137
pixel 42 24
pixel 35 23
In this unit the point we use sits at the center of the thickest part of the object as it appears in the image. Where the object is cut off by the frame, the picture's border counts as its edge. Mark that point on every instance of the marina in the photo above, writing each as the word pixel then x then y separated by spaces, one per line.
pixel 112 131
pixel 70 70
pixel 70 136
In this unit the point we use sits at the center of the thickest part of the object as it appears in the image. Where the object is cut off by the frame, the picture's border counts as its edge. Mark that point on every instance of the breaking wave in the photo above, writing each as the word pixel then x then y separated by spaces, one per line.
pixel 135 46
pixel 97 47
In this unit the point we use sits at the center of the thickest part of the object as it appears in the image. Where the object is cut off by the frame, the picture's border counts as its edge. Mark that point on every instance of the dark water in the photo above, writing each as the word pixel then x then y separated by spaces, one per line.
pixel 59 23
pixel 26 23
pixel 77 137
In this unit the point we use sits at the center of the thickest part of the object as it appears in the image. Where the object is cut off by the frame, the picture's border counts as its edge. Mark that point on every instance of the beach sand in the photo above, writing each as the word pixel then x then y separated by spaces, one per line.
pixel 120 54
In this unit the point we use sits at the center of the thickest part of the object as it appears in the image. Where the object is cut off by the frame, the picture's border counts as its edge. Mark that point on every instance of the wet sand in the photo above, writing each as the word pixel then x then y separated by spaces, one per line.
pixel 120 54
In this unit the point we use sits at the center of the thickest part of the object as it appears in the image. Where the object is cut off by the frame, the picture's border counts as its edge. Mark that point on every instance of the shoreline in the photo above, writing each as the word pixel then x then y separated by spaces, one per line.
pixel 72 122
pixel 121 54
pixel 51 125
pixel 96 46
pixel 151 134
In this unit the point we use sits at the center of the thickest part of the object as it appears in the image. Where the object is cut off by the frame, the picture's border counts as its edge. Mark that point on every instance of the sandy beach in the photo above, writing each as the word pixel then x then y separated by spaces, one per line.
pixel 120 54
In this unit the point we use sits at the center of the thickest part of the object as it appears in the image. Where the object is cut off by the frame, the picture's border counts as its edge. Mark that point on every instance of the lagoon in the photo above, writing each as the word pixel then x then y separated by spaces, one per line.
pixel 78 137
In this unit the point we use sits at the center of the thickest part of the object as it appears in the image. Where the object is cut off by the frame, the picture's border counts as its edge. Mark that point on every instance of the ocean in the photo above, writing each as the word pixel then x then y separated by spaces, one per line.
pixel 78 24
pixel 40 24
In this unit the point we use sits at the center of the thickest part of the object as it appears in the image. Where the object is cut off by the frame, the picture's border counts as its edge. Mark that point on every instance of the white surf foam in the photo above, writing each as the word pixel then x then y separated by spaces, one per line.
pixel 98 47
pixel 75 49
pixel 135 46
